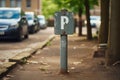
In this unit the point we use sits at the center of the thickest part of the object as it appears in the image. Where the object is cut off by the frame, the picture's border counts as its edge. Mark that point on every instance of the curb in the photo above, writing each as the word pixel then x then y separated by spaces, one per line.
pixel 31 49
pixel 6 67
pixel 28 51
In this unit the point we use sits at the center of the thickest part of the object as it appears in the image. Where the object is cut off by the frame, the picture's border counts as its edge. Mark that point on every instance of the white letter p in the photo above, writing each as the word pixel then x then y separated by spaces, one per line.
pixel 64 20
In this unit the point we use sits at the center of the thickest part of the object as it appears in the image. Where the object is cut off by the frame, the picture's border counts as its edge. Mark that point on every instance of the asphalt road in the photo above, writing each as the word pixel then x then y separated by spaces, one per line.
pixel 37 37
pixel 10 48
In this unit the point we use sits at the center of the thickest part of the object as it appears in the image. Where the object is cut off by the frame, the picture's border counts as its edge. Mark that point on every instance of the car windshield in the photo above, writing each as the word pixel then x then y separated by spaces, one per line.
pixel 29 17
pixel 41 18
pixel 94 18
pixel 9 14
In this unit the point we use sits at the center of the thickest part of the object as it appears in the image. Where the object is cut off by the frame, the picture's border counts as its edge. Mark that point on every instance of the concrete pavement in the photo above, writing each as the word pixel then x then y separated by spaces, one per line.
pixel 16 56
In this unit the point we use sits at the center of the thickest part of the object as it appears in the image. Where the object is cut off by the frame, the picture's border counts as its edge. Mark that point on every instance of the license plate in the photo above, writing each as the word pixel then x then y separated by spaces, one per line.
pixel 2 33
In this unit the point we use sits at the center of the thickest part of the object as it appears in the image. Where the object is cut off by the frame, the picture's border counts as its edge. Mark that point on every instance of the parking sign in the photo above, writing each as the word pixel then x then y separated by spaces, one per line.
pixel 64 22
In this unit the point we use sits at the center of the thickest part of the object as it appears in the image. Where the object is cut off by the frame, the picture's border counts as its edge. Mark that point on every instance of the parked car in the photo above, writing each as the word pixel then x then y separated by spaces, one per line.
pixel 42 21
pixel 95 21
pixel 33 23
pixel 13 24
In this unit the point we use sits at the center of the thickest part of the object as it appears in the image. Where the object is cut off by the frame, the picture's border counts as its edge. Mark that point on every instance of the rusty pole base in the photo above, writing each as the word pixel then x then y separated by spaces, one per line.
pixel 63 72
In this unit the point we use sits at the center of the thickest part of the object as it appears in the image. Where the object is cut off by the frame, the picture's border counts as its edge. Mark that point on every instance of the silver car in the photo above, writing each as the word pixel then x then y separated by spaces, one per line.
pixel 42 21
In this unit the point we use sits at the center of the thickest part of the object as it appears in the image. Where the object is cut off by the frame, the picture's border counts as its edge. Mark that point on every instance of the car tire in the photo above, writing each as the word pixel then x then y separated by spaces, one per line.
pixel 33 30
pixel 20 36
pixel 26 36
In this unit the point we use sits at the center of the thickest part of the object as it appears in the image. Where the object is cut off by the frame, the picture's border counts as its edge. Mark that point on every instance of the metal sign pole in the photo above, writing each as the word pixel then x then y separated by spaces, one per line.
pixel 64 25
pixel 63 55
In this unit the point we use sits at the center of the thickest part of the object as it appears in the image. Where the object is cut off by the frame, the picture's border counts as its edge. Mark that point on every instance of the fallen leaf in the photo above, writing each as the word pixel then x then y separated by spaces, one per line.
pixel 43 63
pixel 74 47
pixel 76 63
pixel 72 68
pixel 42 68
pixel 10 76
pixel 32 62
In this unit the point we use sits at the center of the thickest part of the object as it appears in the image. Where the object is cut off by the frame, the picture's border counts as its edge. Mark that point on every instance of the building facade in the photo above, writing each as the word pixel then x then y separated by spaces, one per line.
pixel 26 5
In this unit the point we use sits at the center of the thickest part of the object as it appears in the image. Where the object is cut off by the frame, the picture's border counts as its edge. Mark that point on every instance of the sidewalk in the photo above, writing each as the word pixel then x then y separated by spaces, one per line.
pixel 9 59
pixel 45 64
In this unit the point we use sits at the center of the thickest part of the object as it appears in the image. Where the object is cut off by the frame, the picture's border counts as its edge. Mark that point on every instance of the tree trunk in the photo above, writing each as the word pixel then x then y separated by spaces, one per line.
pixel 80 23
pixel 103 33
pixel 113 52
pixel 89 31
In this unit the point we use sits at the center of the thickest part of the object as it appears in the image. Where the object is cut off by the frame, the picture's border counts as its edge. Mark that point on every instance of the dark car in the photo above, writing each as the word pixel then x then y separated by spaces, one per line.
pixel 33 24
pixel 13 24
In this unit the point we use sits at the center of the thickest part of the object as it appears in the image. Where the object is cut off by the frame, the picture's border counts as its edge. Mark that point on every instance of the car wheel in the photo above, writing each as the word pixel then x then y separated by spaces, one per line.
pixel 26 36
pixel 32 30
pixel 35 28
pixel 20 37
